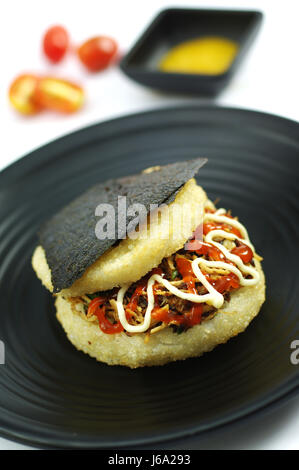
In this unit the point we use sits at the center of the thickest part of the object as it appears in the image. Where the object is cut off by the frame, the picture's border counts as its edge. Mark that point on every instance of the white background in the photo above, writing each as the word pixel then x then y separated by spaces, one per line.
pixel 267 81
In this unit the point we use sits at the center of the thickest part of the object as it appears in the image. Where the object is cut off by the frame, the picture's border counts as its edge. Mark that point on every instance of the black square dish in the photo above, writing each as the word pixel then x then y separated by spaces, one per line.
pixel 176 25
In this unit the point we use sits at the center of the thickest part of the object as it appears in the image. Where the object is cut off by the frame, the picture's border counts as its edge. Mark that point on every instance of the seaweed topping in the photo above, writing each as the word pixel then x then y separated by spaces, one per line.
pixel 69 238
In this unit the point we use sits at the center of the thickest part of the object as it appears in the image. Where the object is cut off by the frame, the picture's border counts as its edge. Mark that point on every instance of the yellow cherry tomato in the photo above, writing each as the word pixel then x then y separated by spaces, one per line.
pixel 22 94
pixel 59 95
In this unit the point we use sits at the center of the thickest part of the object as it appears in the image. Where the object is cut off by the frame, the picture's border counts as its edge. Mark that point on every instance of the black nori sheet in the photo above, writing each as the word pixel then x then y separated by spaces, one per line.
pixel 69 239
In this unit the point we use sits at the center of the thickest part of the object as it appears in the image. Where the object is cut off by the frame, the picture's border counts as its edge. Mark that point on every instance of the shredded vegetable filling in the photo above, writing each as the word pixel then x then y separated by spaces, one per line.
pixel 187 288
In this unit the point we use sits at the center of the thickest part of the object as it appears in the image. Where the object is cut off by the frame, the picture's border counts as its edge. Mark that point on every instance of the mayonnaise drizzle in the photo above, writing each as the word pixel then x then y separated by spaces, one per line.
pixel 218 217
pixel 213 297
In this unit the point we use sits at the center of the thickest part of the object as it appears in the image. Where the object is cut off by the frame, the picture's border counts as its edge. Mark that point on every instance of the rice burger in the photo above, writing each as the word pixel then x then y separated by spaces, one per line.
pixel 158 289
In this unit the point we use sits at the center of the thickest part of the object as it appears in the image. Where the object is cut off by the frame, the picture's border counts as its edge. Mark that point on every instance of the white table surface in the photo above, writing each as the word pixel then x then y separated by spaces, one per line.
pixel 267 81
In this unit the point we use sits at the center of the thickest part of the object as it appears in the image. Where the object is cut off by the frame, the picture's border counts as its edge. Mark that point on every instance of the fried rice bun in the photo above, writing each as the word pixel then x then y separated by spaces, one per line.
pixel 131 259
pixel 163 346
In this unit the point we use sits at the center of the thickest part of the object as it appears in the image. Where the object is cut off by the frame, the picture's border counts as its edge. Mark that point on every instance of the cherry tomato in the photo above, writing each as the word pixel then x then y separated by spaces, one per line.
pixel 55 43
pixel 95 304
pixel 59 95
pixel 22 94
pixel 97 53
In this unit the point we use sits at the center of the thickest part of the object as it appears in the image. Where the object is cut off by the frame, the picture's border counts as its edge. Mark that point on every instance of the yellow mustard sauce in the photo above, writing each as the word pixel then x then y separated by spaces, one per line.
pixel 207 55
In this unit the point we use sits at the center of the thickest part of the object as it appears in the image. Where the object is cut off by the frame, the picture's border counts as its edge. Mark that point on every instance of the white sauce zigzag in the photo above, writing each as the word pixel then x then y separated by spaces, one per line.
pixel 213 297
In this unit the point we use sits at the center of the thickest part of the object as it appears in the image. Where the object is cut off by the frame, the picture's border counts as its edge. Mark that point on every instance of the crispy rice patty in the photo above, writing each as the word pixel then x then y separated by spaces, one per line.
pixel 132 259
pixel 164 346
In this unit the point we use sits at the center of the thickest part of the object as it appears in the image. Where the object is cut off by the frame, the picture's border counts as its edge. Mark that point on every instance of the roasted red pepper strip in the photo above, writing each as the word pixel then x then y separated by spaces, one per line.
pixel 224 283
pixel 164 315
pixel 132 305
pixel 194 316
pixel 203 248
pixel 244 252
pixel 208 226
pixel 97 308
pixel 184 266
pixel 140 290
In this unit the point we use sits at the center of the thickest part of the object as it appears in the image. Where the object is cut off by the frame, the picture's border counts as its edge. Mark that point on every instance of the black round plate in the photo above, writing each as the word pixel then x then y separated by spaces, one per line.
pixel 53 395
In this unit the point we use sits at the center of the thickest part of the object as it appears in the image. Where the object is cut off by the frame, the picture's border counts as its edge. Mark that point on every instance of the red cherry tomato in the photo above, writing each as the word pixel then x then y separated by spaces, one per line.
pixel 59 95
pixel 97 53
pixel 22 94
pixel 55 43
